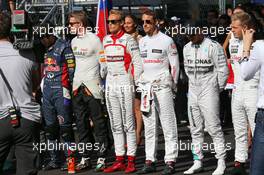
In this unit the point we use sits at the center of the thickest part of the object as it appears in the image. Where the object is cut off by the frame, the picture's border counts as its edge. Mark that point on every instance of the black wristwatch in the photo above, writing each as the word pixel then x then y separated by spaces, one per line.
pixel 244 59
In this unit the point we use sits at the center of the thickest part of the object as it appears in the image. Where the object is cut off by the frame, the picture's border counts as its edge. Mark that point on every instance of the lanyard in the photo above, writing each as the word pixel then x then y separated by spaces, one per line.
pixel 9 89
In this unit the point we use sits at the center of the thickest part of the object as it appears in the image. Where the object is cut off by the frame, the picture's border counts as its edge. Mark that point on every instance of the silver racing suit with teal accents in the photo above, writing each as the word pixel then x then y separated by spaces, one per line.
pixel 206 67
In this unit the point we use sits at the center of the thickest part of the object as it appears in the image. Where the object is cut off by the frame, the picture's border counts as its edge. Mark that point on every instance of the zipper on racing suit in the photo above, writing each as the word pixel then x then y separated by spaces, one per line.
pixel 195 53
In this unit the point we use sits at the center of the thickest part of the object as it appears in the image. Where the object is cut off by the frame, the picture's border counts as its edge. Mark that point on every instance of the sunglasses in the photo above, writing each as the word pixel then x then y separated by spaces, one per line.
pixel 146 21
pixel 113 21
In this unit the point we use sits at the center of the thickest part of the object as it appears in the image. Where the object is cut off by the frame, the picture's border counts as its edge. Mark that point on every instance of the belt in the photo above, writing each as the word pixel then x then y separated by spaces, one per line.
pixel 260 116
pixel 260 109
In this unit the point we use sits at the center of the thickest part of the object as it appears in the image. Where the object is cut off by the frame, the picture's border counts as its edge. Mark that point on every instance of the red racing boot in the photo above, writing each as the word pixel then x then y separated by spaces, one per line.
pixel 130 165
pixel 118 165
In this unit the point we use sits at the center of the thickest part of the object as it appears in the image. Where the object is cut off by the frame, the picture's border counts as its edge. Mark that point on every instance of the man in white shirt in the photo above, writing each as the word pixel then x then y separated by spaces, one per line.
pixel 87 90
pixel 252 62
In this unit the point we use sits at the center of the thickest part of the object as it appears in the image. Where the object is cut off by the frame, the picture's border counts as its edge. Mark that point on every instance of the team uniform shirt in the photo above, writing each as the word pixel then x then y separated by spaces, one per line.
pixel 121 56
pixel 158 53
pixel 205 63
pixel 236 53
pixel 87 57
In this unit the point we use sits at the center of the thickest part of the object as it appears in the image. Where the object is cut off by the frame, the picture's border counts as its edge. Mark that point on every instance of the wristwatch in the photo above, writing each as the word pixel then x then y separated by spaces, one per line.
pixel 244 59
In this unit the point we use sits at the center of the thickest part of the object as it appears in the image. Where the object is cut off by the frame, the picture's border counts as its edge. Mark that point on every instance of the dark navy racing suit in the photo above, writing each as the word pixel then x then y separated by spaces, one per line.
pixel 59 65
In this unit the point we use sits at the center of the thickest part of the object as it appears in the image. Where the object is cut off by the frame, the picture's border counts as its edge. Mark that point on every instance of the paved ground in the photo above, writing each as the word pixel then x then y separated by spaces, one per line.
pixel 184 160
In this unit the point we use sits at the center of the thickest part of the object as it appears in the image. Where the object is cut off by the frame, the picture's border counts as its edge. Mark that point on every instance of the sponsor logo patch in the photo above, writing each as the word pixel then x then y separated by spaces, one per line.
pixel 156 51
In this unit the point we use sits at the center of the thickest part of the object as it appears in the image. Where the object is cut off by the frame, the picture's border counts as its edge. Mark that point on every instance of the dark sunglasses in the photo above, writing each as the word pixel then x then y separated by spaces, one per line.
pixel 113 21
pixel 146 21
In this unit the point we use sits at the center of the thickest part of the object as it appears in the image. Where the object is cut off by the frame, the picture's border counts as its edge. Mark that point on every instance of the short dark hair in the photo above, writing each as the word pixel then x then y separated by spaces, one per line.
pixel 49 29
pixel 5 25
pixel 214 11
pixel 226 18
pixel 133 17
pixel 150 13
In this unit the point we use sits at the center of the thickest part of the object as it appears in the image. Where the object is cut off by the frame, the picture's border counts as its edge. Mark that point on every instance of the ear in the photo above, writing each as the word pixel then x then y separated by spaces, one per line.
pixel 122 22
pixel 244 28
pixel 156 22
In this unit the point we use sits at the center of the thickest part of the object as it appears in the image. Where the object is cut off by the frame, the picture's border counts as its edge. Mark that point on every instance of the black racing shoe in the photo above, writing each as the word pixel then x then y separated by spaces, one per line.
pixel 239 169
pixel 51 165
pixel 169 168
pixel 149 167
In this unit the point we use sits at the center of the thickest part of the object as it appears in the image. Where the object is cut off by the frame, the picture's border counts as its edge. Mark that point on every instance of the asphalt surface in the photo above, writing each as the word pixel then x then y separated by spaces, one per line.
pixel 184 160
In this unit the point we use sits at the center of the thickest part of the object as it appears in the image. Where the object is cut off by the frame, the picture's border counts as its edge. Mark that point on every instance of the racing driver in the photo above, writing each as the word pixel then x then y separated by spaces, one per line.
pixel 206 67
pixel 122 68
pixel 157 85
pixel 244 95
pixel 59 65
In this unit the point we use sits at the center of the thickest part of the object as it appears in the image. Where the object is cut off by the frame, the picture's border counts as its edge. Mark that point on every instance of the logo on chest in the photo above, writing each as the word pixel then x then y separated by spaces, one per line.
pixel 50 61
pixel 199 61
pixel 234 49
pixel 156 51
pixel 144 54
pixel 51 65
pixel 114 53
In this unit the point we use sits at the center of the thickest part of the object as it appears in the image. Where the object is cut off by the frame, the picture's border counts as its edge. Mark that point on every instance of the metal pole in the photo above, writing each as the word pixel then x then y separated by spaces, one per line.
pixel 224 7
pixel 163 8
pixel 63 19
pixel 221 4
pixel 234 3
pixel 129 6
pixel 70 5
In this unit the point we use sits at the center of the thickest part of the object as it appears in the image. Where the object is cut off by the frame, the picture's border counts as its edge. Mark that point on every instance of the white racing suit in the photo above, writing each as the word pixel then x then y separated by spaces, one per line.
pixel 121 51
pixel 158 53
pixel 244 100
pixel 206 67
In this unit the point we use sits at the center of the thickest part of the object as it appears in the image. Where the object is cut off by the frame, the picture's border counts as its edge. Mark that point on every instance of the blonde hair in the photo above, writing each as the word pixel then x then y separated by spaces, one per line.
pixel 80 16
pixel 117 12
pixel 244 18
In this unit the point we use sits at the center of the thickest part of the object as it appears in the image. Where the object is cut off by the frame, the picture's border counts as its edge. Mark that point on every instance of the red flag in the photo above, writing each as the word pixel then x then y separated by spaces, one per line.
pixel 102 15
pixel 230 80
